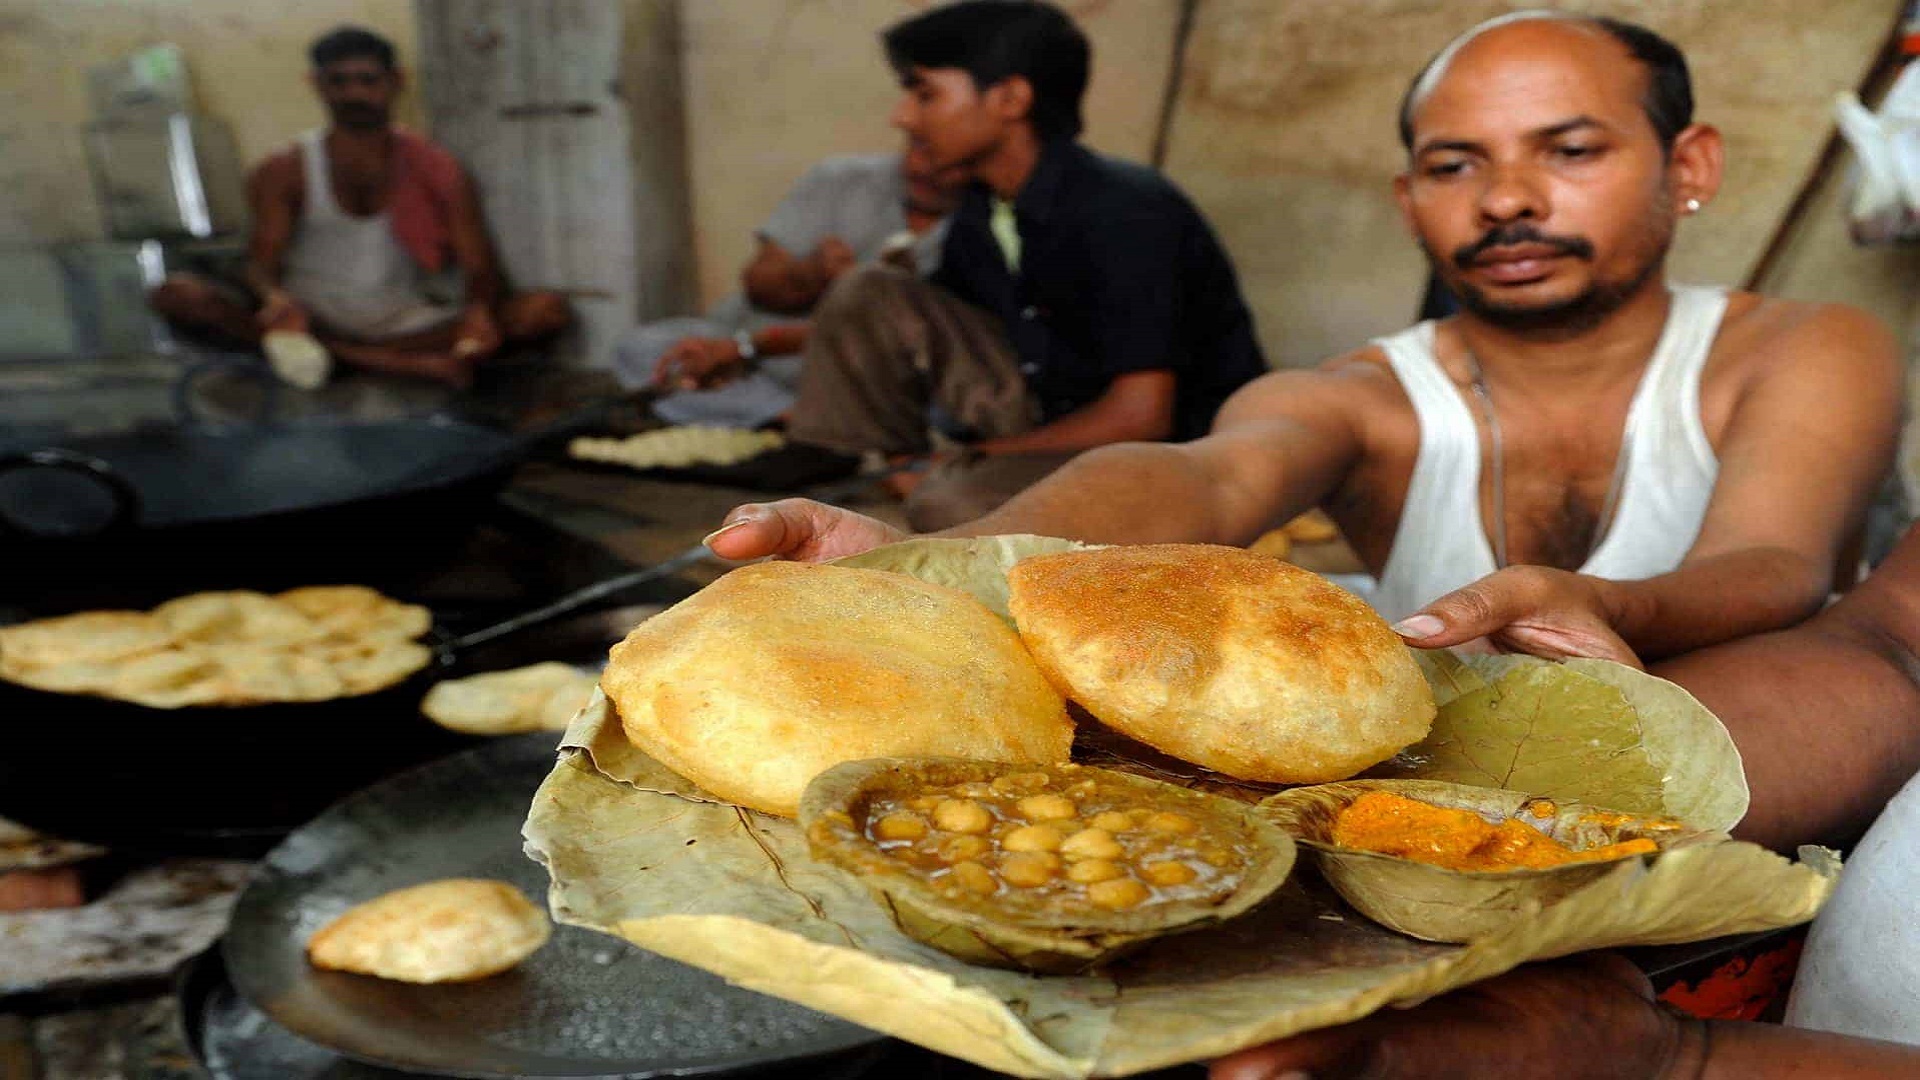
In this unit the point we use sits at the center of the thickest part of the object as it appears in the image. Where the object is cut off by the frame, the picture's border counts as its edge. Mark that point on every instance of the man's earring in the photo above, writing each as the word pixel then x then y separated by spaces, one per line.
pixel 1693 206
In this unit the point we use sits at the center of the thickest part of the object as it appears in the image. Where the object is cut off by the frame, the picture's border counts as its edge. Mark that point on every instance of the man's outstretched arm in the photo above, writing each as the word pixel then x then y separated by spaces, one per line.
pixel 1278 447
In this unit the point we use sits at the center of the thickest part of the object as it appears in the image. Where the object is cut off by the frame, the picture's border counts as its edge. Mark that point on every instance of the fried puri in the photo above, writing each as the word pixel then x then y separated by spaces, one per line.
pixel 534 698
pixel 781 670
pixel 1224 658
pixel 454 930
pixel 224 648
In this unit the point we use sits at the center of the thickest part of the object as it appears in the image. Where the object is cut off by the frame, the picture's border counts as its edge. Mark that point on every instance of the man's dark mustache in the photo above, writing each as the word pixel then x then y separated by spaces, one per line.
pixel 1512 235
pixel 358 112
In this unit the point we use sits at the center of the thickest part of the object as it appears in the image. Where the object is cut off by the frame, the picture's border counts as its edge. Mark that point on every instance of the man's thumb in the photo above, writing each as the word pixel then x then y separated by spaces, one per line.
pixel 1456 618
pixel 749 532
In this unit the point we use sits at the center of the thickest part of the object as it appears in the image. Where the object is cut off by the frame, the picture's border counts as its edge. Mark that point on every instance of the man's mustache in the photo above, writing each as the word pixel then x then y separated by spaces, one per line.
pixel 1516 234
pixel 356 111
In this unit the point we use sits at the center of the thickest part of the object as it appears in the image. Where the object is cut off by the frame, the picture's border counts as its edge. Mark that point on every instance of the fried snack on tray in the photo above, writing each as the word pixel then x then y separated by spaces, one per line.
pixel 1224 658
pixel 454 930
pixel 224 648
pixel 779 670
pixel 538 697
pixel 1312 527
pixel 678 447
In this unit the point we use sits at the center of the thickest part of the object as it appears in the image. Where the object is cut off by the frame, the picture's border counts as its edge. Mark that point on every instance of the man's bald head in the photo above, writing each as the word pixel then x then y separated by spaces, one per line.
pixel 1666 98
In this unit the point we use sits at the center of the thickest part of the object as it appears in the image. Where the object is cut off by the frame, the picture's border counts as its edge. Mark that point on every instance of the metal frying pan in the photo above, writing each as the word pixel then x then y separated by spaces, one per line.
pixel 230 780
pixel 584 1005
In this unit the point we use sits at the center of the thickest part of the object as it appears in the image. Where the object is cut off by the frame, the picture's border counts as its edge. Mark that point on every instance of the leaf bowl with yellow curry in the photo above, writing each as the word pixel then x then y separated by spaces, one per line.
pixel 1450 862
pixel 1054 869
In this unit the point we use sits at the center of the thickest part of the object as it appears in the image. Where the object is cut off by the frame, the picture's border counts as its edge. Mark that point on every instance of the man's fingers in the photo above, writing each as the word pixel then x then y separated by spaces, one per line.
pixel 797 529
pixel 1477 610
pixel 754 531
pixel 1582 638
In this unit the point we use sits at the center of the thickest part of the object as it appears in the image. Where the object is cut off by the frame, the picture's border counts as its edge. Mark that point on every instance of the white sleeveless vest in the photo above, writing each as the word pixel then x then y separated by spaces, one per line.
pixel 1441 542
pixel 350 271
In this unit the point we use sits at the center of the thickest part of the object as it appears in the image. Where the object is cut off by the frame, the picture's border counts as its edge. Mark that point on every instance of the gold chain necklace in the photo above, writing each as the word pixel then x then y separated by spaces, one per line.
pixel 1498 452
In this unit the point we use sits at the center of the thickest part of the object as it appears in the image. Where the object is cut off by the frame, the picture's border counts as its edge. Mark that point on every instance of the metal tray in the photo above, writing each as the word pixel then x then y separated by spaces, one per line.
pixel 233 1040
pixel 584 1005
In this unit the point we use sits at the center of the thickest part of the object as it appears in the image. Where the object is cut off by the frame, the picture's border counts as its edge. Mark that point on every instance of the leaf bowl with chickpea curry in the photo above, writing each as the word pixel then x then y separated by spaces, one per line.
pixel 1053 869
pixel 1450 862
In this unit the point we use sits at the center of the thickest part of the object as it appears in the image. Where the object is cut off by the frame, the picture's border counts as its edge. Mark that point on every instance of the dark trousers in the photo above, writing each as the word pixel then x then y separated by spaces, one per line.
pixel 888 348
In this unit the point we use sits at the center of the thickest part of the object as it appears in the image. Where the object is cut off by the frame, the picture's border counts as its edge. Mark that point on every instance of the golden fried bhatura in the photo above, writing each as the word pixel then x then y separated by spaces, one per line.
pixel 454 930
pixel 781 670
pixel 1224 658
pixel 533 698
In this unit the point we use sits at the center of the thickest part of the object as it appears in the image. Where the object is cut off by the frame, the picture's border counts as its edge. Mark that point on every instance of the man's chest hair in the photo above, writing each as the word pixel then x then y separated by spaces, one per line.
pixel 360 189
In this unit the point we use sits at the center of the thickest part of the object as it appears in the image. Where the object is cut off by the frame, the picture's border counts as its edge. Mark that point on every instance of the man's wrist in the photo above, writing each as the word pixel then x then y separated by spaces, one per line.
pixel 1627 607
pixel 1692 1046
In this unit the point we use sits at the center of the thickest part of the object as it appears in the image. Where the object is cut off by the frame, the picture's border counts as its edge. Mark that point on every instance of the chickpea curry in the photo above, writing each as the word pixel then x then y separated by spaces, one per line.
pixel 1043 841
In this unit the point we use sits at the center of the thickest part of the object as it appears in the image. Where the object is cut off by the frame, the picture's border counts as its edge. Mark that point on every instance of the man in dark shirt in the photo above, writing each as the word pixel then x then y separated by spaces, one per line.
pixel 1080 300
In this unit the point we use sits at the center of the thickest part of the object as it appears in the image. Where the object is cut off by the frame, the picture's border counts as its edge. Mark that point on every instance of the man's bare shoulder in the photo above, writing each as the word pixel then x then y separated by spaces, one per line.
pixel 1780 358
pixel 1363 372
pixel 283 164
pixel 279 173
pixel 1764 335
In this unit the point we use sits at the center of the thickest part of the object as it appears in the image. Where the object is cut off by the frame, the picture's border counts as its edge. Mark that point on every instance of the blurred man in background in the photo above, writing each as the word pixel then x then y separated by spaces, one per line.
pixel 351 227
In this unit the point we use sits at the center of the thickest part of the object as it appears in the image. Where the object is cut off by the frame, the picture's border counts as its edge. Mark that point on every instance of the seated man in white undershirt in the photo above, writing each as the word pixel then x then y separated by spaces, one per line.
pixel 1698 462
pixel 354 231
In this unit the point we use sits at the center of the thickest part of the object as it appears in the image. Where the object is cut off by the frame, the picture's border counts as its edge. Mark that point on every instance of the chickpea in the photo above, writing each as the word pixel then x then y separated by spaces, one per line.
pixel 959 849
pixel 1088 871
pixel 1118 894
pixel 1014 783
pixel 923 803
pixel 900 825
pixel 1030 869
pixel 1169 872
pixel 1046 807
pixel 1033 838
pixel 962 816
pixel 1092 844
pixel 974 878
pixel 1170 823
pixel 1114 821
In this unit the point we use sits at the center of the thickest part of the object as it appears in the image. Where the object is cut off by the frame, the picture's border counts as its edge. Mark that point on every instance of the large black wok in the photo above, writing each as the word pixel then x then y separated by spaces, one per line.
pixel 283 503
pixel 269 503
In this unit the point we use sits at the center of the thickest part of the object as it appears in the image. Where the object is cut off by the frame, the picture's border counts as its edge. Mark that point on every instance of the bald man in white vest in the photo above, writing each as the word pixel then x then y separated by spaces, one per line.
pixel 1696 461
